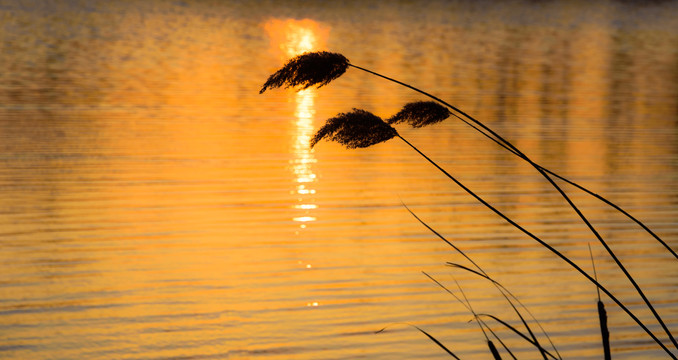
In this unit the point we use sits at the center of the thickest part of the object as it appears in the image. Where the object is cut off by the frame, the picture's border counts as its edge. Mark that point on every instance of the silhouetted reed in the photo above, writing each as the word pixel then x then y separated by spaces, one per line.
pixel 490 344
pixel 310 69
pixel 355 129
pixel 604 332
pixel 420 113
pixel 504 291
pixel 493 350
pixel 431 337
pixel 602 317
pixel 483 325
pixel 362 129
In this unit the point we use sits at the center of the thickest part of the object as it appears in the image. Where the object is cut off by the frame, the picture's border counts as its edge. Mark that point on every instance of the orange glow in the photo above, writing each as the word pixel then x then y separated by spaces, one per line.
pixel 294 37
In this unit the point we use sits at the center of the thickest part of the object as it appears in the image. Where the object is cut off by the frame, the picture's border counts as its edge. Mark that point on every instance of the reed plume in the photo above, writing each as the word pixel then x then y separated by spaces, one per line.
pixel 355 129
pixel 306 70
pixel 420 113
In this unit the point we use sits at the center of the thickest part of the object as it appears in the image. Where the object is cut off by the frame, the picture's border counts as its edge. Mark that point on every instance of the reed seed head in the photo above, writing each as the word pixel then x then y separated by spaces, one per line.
pixel 420 113
pixel 355 129
pixel 306 70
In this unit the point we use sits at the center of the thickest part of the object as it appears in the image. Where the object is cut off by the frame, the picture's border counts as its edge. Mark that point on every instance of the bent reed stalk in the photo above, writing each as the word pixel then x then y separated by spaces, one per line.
pixel 482 323
pixel 361 129
pixel 508 146
pixel 521 155
pixel 546 245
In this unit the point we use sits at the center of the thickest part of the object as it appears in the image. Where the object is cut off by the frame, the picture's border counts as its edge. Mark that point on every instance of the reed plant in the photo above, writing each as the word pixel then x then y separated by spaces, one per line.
pixel 359 129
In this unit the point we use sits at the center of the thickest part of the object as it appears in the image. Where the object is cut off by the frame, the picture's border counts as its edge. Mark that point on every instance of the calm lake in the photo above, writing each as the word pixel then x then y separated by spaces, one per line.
pixel 153 205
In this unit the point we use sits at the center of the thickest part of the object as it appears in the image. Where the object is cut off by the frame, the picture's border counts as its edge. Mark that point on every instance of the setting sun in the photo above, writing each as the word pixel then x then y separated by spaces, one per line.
pixel 291 37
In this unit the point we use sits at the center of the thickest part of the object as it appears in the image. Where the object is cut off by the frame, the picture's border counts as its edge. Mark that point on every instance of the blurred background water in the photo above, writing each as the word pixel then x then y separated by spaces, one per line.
pixel 154 206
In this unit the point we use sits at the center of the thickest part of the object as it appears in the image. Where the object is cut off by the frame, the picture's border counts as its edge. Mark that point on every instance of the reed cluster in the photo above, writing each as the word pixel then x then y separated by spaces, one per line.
pixel 360 128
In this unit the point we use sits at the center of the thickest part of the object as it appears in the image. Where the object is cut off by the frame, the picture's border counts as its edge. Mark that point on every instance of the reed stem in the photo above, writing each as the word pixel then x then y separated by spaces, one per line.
pixel 582 188
pixel 602 316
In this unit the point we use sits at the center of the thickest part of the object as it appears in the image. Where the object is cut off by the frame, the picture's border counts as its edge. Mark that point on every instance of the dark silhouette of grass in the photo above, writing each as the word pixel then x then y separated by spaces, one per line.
pixel 605 333
pixel 483 325
pixel 493 350
pixel 467 305
pixel 310 69
pixel 602 316
pixel 506 144
pixel 420 113
pixel 546 245
pixel 431 337
pixel 486 131
pixel 505 292
pixel 355 129
pixel 580 187
pixel 490 344
pixel 343 129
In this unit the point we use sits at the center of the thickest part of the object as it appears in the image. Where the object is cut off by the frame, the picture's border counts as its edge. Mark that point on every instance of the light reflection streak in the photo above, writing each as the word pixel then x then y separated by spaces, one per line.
pixel 304 159
pixel 291 38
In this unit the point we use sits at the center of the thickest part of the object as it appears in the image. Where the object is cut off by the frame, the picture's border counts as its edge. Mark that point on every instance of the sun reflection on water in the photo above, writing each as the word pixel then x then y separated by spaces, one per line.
pixel 304 159
pixel 291 38
pixel 303 156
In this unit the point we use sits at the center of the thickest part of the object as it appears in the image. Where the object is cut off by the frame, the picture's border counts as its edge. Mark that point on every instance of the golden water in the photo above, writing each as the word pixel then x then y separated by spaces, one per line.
pixel 153 205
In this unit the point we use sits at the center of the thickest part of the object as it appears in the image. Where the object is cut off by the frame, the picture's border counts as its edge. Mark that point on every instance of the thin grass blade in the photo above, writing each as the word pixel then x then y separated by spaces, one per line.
pixel 515 309
pixel 483 274
pixel 436 341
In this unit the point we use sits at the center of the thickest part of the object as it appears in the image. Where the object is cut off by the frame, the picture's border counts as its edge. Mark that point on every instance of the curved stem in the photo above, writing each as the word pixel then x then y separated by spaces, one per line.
pixel 580 187
pixel 562 193
pixel 549 247
pixel 506 293
pixel 467 304
pixel 609 251
pixel 543 171
pixel 503 144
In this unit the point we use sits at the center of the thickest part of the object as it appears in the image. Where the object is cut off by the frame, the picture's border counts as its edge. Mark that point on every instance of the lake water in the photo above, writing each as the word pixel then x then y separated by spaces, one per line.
pixel 154 206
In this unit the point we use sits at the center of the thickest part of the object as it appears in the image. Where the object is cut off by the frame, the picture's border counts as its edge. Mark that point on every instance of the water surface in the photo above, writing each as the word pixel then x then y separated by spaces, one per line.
pixel 153 205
